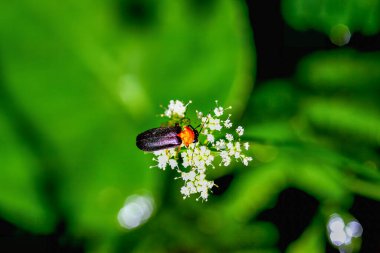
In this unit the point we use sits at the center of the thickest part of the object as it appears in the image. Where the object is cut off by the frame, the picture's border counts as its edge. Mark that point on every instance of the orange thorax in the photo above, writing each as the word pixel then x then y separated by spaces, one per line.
pixel 187 136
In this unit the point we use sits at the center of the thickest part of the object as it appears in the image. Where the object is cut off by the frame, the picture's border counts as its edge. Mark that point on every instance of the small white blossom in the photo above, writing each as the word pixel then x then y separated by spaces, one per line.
pixel 240 130
pixel 173 163
pixel 220 144
pixel 204 194
pixel 159 152
pixel 196 183
pixel 187 158
pixel 226 159
pixel 228 123
pixel 219 111
pixel 210 138
pixel 246 160
pixel 163 158
pixel 188 189
pixel 162 161
pixel 234 149
pixel 176 109
pixel 185 191
pixel 230 146
pixel 201 157
pixel 199 114
pixel 213 123
pixel 189 176
pixel 246 145
pixel 229 137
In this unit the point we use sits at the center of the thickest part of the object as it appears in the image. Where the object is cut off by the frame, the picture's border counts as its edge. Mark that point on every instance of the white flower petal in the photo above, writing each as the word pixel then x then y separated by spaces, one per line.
pixel 240 130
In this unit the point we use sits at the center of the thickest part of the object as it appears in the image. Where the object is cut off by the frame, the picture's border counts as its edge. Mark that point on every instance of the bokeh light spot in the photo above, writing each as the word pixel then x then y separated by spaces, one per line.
pixel 136 211
pixel 354 229
pixel 341 234
pixel 338 237
pixel 336 223
pixel 133 95
pixel 340 35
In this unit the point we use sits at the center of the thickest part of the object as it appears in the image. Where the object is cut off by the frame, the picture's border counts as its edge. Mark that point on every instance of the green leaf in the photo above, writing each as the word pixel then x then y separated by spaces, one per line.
pixel 21 201
pixel 272 132
pixel 345 118
pixel 192 55
pixel 311 240
pixel 318 178
pixel 274 98
pixel 342 70
pixel 362 16
pixel 254 190
pixel 365 188
pixel 52 73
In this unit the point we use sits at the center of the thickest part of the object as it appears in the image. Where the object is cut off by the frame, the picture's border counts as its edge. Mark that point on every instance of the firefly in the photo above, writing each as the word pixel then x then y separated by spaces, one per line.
pixel 166 137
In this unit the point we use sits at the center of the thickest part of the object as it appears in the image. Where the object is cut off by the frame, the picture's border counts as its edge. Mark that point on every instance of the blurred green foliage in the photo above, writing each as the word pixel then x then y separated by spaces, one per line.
pixel 326 16
pixel 80 79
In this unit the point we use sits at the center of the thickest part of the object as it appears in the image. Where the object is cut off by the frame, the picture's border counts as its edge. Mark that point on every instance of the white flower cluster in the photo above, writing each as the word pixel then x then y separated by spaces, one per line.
pixel 199 156
pixel 166 157
pixel 176 109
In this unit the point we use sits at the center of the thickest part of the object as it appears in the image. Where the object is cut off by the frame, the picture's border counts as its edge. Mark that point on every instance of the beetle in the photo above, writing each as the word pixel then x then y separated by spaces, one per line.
pixel 166 137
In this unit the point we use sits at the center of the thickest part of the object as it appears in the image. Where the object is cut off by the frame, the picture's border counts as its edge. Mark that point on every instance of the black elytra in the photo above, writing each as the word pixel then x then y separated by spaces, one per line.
pixel 166 137
pixel 159 138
